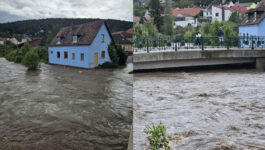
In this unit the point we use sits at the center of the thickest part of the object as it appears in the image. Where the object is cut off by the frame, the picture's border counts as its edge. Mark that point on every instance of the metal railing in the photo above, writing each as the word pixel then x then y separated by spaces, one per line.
pixel 176 43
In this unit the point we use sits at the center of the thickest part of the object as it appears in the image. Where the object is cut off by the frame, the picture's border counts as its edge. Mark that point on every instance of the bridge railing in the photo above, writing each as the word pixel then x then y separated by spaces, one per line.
pixel 176 43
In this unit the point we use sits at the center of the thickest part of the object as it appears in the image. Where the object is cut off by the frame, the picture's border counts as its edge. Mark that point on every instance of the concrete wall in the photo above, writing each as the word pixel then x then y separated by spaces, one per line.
pixel 194 58
pixel 89 50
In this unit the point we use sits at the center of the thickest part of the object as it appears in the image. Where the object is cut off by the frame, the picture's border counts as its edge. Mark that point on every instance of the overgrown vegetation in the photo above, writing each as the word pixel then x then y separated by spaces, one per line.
pixel 117 55
pixel 157 137
pixel 30 57
pixel 31 60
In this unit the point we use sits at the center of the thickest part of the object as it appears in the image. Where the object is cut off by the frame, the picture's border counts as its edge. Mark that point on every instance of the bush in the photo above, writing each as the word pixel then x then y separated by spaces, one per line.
pixel 122 55
pixel 158 138
pixel 31 60
pixel 113 53
pixel 117 54
pixel 108 65
pixel 11 56
pixel 42 53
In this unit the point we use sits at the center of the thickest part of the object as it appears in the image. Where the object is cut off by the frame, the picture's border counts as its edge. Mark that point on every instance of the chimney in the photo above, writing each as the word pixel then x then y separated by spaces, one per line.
pixel 223 13
pixel 255 16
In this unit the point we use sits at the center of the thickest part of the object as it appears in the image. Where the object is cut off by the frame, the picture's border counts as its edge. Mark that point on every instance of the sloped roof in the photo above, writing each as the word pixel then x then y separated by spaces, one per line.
pixel 234 8
pixel 250 19
pixel 86 33
pixel 186 11
pixel 3 39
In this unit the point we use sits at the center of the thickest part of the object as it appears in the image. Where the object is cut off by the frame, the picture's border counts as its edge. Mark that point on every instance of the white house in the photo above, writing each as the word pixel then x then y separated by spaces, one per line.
pixel 223 13
pixel 185 17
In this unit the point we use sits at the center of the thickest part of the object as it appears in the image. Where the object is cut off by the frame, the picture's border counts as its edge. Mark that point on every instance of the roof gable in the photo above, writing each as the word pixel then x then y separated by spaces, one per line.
pixel 86 34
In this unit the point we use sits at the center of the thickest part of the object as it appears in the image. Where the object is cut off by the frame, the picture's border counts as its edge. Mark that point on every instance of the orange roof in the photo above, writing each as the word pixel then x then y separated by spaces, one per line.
pixel 235 8
pixel 186 11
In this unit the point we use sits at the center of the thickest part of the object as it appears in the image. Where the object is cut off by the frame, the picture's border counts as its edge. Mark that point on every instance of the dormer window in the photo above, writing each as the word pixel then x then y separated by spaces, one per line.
pixel 75 39
pixel 58 41
pixel 102 38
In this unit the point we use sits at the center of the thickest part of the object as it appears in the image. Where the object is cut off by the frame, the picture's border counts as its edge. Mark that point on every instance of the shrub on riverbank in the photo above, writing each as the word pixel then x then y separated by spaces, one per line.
pixel 117 54
pixel 31 60
pixel 158 138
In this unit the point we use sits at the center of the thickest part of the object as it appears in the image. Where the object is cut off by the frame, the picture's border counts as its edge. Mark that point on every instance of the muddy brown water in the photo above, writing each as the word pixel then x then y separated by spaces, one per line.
pixel 64 108
pixel 205 110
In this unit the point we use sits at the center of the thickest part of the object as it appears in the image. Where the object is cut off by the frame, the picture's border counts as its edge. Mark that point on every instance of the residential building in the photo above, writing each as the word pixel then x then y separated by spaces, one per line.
pixel 84 45
pixel 254 24
pixel 2 41
pixel 125 39
pixel 185 17
pixel 223 13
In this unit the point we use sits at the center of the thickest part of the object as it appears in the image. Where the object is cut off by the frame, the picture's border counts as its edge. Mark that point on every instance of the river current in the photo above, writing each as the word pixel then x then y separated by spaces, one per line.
pixel 63 108
pixel 205 110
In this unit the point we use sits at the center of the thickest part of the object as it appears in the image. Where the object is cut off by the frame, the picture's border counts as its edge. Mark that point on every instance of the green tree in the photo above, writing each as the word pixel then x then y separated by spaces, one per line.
pixel 122 55
pixel 42 53
pixel 113 53
pixel 31 60
pixel 167 27
pixel 236 17
pixel 156 10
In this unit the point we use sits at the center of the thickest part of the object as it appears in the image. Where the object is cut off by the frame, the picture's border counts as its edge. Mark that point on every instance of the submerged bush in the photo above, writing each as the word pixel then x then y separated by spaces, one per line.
pixel 158 138
pixel 31 60
pixel 108 65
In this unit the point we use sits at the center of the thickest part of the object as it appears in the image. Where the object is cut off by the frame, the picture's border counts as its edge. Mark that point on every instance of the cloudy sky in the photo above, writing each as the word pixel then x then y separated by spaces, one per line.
pixel 13 10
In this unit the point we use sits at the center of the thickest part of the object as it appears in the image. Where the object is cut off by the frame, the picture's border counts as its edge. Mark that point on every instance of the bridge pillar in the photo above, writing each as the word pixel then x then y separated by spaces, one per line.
pixel 260 63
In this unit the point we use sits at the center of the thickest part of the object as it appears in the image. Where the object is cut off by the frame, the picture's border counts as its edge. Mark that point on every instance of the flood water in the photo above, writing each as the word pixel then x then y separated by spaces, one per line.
pixel 206 110
pixel 62 108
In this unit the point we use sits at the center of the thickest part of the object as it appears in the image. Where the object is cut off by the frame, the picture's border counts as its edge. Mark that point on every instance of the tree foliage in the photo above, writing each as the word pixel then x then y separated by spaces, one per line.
pixel 156 10
pixel 117 54
pixel 168 22
pixel 31 60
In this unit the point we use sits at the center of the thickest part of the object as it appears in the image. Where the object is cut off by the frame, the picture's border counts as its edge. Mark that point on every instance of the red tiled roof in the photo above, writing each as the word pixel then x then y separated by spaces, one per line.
pixel 87 33
pixel 3 39
pixel 34 43
pixel 235 8
pixel 186 11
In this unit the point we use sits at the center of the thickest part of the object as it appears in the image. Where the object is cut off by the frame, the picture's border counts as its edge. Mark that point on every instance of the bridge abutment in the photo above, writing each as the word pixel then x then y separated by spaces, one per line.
pixel 260 63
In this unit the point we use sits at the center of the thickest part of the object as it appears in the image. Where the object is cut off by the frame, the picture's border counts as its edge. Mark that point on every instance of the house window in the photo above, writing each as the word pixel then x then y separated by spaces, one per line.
pixel 73 56
pixel 58 55
pixel 65 55
pixel 82 57
pixel 103 54
pixel 102 38
pixel 75 39
pixel 217 14
pixel 244 36
pixel 58 40
pixel 51 52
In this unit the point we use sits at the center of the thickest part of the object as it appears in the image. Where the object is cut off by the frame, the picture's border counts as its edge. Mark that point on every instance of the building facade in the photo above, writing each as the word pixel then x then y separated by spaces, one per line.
pixel 253 27
pixel 84 46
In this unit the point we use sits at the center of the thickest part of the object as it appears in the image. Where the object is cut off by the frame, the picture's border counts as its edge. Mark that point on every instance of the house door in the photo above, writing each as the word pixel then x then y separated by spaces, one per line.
pixel 96 59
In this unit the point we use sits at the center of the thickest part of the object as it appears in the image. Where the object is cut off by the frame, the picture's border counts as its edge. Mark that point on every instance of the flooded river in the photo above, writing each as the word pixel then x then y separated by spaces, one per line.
pixel 206 110
pixel 61 108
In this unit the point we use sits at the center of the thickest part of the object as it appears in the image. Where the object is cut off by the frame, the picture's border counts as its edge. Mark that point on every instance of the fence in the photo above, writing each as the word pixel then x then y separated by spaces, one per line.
pixel 199 43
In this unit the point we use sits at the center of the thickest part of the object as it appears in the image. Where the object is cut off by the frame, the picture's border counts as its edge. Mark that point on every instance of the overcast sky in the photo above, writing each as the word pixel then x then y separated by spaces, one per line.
pixel 13 10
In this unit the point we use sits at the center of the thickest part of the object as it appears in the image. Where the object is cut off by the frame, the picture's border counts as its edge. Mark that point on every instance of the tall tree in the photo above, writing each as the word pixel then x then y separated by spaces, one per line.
pixel 156 10
pixel 168 23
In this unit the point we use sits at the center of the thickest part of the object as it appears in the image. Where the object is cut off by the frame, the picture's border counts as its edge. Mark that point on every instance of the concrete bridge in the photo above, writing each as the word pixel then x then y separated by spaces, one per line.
pixel 192 58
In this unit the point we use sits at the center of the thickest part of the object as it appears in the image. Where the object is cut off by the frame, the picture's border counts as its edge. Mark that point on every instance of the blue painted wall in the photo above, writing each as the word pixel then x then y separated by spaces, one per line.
pixel 96 47
pixel 253 30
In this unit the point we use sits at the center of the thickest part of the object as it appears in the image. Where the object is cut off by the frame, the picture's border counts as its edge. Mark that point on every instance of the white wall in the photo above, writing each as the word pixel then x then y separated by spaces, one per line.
pixel 219 11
